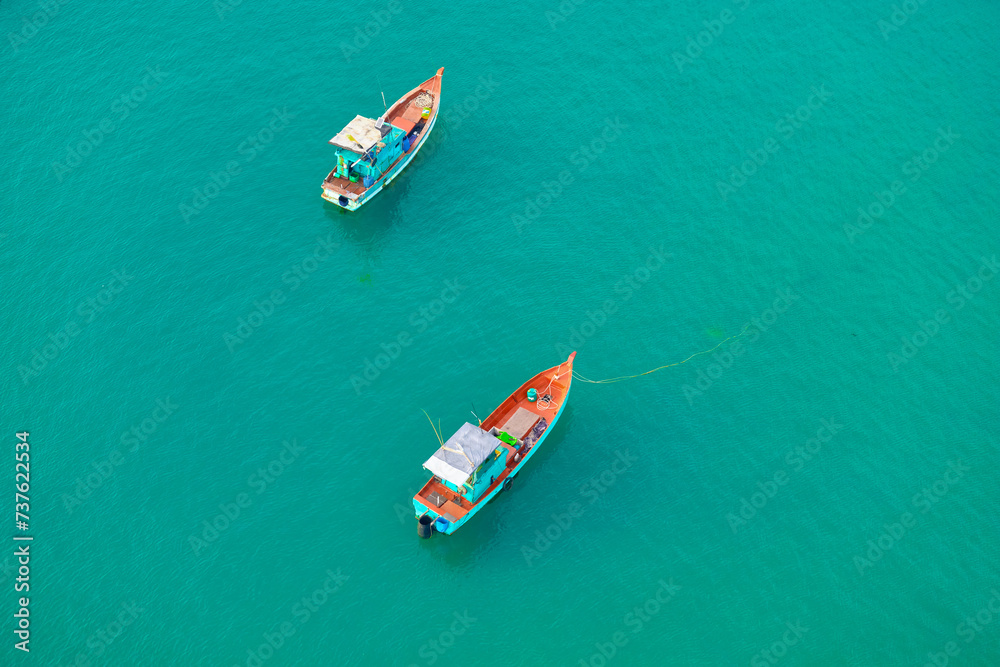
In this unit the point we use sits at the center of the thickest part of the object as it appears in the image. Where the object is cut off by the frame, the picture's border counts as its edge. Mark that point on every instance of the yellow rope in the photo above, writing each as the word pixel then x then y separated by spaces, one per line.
pixel 629 377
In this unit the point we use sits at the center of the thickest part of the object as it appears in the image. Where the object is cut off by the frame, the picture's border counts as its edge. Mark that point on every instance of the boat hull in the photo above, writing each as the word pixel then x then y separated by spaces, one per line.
pixel 422 508
pixel 453 526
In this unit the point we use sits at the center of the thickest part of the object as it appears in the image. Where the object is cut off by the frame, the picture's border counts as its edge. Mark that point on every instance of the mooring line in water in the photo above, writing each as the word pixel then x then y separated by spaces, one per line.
pixel 579 377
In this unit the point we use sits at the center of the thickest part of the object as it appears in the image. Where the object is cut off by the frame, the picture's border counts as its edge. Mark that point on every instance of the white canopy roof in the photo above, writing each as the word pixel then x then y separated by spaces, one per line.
pixel 359 135
pixel 462 454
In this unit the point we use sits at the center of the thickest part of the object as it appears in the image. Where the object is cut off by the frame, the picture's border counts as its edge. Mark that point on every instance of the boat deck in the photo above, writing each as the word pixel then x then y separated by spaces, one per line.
pixel 452 504
pixel 405 116
pixel 343 186
pixel 504 415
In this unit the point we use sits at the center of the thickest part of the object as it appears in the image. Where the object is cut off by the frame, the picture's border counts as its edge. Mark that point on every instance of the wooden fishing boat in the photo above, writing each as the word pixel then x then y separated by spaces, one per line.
pixel 478 462
pixel 372 152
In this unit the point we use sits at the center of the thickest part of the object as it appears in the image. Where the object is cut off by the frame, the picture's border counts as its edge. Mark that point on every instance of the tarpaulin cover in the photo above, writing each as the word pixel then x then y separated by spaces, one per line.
pixel 362 135
pixel 462 453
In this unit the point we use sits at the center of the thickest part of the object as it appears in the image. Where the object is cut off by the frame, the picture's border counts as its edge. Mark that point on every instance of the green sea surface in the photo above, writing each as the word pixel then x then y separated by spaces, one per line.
pixel 222 375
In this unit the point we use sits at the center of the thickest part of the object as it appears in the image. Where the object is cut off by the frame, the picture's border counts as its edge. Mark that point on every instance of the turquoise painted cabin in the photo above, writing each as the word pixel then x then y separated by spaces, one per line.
pixel 386 146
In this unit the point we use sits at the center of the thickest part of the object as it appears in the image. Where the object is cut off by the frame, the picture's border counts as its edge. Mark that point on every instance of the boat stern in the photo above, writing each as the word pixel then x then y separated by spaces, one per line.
pixel 440 509
pixel 342 201
pixel 430 521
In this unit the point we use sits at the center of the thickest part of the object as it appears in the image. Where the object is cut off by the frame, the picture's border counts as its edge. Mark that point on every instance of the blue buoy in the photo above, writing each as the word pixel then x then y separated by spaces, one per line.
pixel 441 524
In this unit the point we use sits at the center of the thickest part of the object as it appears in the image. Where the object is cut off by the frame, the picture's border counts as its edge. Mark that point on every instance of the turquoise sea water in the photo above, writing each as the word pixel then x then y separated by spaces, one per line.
pixel 824 492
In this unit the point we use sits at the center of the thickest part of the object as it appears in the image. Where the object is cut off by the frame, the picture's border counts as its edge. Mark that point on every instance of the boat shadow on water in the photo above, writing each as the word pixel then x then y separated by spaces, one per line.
pixel 369 227
pixel 497 526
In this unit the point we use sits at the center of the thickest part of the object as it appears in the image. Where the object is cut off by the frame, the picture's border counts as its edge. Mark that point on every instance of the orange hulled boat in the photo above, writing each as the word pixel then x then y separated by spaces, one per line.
pixel 479 462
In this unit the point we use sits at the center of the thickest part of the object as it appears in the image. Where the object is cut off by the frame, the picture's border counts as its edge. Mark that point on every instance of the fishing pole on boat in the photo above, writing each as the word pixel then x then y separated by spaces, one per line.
pixel 475 415
pixel 579 377
pixel 436 432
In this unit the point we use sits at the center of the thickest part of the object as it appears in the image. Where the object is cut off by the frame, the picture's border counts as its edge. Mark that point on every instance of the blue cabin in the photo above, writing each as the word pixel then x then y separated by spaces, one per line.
pixel 366 149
